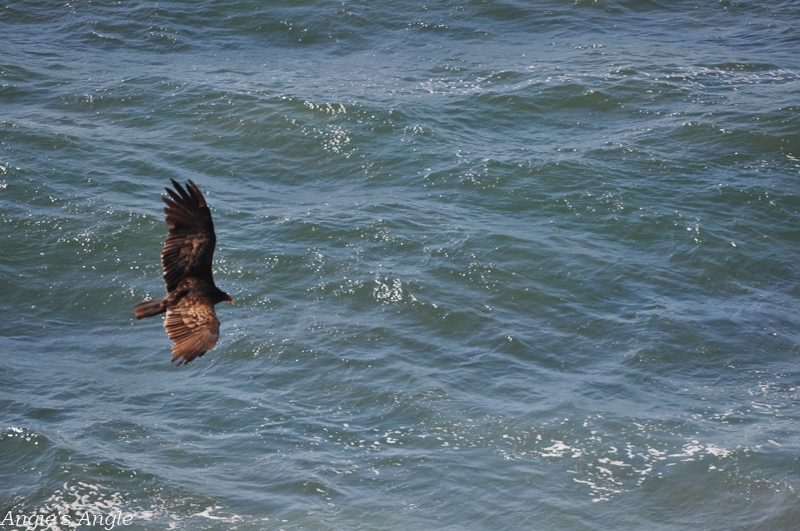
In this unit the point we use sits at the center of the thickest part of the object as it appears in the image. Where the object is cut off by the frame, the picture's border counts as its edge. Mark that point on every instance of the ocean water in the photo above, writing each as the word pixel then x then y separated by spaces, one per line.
pixel 497 265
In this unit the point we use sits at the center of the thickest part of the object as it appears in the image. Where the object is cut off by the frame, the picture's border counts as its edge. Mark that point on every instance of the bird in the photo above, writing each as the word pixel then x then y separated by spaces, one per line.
pixel 191 322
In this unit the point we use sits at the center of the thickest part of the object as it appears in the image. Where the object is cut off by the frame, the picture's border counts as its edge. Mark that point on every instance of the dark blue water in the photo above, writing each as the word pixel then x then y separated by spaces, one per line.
pixel 497 265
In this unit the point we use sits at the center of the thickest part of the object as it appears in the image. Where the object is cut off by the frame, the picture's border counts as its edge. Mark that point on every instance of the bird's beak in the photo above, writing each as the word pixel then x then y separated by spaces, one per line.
pixel 228 298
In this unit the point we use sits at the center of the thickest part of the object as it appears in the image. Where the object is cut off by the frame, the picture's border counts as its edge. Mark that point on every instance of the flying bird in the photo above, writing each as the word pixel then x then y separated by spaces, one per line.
pixel 191 321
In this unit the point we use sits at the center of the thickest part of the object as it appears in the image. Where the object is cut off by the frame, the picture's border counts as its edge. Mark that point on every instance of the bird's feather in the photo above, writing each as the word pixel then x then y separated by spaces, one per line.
pixel 189 248
pixel 193 327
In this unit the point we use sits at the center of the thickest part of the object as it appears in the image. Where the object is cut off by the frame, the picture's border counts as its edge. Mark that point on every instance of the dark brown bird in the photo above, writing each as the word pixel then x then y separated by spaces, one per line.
pixel 191 321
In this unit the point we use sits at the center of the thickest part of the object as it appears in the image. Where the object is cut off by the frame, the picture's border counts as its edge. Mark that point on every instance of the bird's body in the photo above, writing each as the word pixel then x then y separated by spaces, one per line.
pixel 191 321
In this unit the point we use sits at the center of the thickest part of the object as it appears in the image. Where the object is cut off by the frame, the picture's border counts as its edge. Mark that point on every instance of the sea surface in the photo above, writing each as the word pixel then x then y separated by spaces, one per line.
pixel 497 265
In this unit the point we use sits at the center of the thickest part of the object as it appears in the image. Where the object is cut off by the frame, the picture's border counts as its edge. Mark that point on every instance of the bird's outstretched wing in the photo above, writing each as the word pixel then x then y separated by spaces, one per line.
pixel 189 249
pixel 193 327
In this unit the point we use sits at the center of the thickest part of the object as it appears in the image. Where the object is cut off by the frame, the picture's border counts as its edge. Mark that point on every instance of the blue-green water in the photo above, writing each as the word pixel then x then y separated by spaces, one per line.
pixel 497 265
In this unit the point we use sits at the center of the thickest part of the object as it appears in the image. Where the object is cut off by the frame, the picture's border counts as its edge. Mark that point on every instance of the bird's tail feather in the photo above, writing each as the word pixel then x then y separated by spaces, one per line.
pixel 149 308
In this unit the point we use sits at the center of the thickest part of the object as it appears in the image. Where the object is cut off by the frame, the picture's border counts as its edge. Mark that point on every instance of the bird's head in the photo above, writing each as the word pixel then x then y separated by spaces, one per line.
pixel 217 296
